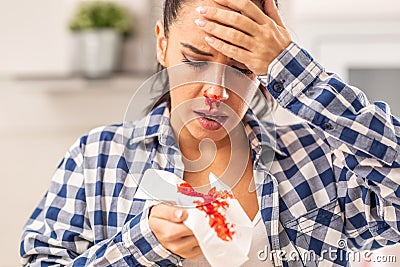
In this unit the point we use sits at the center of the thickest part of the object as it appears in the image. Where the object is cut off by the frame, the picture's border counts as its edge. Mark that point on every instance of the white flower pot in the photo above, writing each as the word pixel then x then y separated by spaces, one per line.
pixel 100 52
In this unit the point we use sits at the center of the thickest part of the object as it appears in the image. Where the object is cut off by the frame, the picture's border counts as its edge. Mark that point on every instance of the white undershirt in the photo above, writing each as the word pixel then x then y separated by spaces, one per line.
pixel 259 242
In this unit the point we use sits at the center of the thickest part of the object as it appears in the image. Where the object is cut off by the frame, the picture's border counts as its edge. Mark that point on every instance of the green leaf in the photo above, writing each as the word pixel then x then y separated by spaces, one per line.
pixel 102 14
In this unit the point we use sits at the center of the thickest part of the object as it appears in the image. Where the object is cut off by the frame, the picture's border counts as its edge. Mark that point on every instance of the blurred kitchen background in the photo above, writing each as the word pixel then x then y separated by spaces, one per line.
pixel 46 102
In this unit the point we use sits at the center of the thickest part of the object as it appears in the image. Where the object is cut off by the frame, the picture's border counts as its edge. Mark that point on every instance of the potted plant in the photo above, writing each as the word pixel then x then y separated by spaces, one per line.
pixel 100 27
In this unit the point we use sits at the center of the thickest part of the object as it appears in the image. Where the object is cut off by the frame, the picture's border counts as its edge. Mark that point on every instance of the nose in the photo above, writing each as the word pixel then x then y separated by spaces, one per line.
pixel 214 96
pixel 216 93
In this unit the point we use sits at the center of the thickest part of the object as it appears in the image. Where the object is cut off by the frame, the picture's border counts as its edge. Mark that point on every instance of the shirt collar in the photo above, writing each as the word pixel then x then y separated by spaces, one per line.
pixel 262 135
pixel 155 124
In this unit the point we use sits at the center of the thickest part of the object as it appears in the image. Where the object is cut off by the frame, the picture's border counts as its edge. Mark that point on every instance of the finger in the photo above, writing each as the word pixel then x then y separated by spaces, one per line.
pixel 195 254
pixel 229 50
pixel 185 247
pixel 246 7
pixel 169 213
pixel 167 231
pixel 226 33
pixel 229 18
pixel 272 11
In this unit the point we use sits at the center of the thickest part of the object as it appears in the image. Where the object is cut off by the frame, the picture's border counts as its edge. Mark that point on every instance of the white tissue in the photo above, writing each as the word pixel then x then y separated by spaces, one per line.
pixel 163 186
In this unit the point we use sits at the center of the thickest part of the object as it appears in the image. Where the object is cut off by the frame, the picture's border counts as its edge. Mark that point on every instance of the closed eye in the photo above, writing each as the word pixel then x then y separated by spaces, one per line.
pixel 195 64
pixel 244 71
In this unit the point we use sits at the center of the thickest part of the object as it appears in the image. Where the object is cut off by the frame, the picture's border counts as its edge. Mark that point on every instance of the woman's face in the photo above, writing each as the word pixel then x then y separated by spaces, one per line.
pixel 203 110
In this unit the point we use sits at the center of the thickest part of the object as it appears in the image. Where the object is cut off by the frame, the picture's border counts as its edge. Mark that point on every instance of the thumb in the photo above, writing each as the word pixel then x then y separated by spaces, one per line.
pixel 271 9
pixel 169 213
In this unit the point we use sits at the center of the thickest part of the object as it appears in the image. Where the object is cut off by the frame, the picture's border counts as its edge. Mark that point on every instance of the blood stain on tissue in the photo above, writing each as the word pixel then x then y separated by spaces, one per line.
pixel 214 203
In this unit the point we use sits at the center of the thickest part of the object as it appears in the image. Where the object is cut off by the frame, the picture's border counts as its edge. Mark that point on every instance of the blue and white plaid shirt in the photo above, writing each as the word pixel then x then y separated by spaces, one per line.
pixel 334 177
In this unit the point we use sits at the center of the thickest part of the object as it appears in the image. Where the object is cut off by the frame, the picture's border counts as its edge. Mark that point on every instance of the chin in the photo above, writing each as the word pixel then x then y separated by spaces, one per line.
pixel 199 133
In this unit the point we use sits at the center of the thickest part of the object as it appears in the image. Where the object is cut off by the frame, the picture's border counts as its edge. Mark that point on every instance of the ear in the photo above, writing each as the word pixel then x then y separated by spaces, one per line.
pixel 162 42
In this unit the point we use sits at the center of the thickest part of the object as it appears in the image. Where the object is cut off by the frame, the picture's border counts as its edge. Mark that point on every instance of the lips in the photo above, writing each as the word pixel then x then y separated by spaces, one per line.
pixel 211 121
pixel 215 116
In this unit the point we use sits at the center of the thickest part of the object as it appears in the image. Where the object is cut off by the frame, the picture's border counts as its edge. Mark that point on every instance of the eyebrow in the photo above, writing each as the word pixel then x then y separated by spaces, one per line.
pixel 196 50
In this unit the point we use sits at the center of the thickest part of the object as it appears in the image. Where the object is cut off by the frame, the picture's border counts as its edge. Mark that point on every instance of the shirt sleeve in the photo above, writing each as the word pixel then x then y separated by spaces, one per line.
pixel 364 137
pixel 60 233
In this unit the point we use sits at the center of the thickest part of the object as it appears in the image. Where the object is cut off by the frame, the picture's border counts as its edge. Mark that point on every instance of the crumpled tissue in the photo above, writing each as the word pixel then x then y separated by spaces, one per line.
pixel 221 226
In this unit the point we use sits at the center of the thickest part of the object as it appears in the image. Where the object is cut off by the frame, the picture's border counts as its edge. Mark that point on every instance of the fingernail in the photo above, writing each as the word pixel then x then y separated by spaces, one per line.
pixel 202 10
pixel 210 40
pixel 200 22
pixel 178 214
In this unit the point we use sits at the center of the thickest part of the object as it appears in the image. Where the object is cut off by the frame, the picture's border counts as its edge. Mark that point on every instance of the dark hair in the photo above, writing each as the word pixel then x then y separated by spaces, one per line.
pixel 170 13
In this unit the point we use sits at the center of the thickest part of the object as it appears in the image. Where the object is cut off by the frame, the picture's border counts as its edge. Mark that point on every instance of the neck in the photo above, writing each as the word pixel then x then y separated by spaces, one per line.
pixel 225 158
pixel 193 148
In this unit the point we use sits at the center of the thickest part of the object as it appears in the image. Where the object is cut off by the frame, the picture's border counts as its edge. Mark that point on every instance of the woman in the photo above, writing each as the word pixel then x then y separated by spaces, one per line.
pixel 333 178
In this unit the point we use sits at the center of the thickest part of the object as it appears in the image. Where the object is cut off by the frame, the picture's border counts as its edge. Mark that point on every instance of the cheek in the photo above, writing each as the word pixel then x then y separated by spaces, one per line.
pixel 237 104
pixel 184 93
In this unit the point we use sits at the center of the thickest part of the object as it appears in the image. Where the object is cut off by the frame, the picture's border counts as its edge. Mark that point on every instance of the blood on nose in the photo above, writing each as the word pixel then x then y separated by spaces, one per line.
pixel 212 98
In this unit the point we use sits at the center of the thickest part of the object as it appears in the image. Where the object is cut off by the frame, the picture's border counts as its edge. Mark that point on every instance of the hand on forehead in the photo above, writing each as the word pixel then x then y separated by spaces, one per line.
pixel 185 21
pixel 213 3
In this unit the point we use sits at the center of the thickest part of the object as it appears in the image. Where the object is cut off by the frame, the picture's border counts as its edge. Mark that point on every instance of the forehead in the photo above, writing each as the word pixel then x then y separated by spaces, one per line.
pixel 188 9
pixel 184 28
pixel 196 3
pixel 187 13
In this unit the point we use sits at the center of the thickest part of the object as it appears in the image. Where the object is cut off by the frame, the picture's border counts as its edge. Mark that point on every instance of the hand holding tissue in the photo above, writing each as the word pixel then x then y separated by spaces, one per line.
pixel 221 226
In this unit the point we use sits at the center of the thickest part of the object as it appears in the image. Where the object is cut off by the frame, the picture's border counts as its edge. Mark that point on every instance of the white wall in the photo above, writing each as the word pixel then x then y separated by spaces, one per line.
pixel 35 39
pixel 32 38
pixel 318 25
